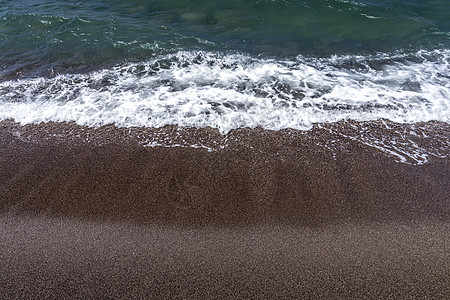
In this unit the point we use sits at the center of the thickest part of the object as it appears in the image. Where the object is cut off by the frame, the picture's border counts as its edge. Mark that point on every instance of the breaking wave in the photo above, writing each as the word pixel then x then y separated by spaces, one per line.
pixel 229 91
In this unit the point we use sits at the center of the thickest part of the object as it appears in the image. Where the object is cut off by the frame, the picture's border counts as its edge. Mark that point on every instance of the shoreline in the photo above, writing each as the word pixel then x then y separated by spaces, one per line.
pixel 256 176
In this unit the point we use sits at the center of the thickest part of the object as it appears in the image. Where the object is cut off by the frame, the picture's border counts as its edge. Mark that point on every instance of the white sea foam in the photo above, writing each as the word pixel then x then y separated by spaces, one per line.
pixel 228 91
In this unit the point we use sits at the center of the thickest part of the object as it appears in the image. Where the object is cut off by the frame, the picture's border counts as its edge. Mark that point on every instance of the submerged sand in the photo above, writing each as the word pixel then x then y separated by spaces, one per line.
pixel 92 213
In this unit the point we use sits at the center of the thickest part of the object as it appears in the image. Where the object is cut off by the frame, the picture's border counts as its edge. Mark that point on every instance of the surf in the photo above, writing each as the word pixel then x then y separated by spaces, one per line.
pixel 228 91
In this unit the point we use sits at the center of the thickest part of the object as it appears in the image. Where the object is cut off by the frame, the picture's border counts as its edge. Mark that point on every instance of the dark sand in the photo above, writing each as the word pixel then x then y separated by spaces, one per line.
pixel 271 216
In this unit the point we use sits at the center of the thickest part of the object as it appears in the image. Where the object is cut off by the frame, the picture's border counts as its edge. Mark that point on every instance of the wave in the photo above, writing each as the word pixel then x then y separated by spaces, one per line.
pixel 231 90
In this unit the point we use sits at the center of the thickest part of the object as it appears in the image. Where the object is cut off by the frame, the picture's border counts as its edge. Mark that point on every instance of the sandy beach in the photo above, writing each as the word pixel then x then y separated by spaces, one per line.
pixel 224 149
pixel 273 215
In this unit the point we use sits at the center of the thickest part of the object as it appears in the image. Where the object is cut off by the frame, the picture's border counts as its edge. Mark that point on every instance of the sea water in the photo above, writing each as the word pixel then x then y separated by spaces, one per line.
pixel 224 64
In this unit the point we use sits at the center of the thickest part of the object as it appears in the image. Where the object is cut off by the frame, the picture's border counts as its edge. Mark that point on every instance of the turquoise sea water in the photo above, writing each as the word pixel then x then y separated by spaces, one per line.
pixel 36 35
pixel 225 64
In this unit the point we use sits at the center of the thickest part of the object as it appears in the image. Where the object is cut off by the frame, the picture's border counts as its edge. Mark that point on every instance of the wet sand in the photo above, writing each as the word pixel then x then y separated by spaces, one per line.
pixel 272 215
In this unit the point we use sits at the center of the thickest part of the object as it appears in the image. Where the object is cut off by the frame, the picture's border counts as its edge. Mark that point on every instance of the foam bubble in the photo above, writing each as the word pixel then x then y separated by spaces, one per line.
pixel 228 91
